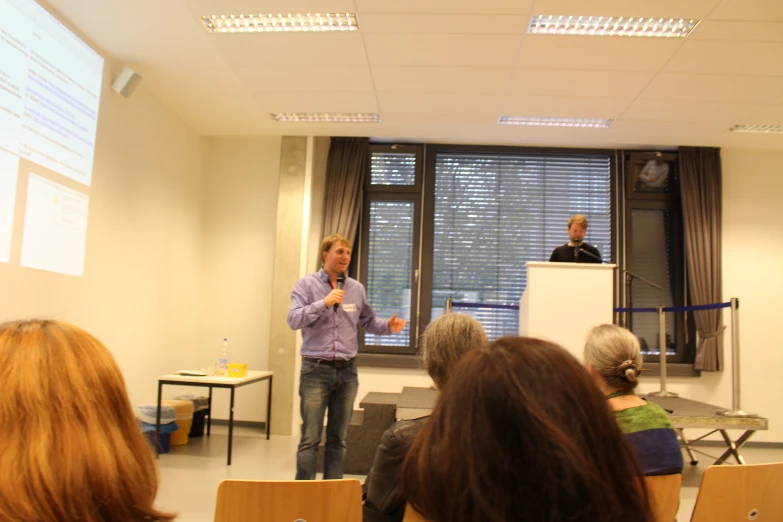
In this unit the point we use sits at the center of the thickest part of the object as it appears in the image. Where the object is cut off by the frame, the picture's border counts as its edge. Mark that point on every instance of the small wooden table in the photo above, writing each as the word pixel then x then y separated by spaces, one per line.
pixel 217 382
pixel 685 413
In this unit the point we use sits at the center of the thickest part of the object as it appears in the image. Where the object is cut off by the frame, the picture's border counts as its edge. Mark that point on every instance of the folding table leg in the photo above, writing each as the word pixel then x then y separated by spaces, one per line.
pixel 231 425
pixel 687 446
pixel 734 447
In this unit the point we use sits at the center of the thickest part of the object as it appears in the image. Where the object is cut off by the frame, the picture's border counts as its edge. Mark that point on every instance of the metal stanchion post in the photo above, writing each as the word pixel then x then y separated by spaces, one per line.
pixel 736 410
pixel 662 348
pixel 448 305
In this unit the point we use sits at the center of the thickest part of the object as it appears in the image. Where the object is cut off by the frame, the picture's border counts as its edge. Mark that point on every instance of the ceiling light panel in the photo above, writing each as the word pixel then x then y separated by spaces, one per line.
pixel 280 23
pixel 327 117
pixel 611 26
pixel 590 123
pixel 759 129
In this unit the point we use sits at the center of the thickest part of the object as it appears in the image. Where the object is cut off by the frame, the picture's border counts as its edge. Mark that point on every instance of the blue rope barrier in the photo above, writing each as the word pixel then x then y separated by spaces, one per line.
pixel 676 309
pixel 484 305
pixel 693 308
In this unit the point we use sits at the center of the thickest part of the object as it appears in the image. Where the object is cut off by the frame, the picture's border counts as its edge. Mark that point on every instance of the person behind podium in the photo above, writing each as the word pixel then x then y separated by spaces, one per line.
pixel 521 432
pixel 613 357
pixel 70 448
pixel 445 341
pixel 328 307
pixel 576 251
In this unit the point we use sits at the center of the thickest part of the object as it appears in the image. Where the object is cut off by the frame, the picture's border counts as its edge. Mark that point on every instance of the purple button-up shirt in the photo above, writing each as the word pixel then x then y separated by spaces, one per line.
pixel 328 334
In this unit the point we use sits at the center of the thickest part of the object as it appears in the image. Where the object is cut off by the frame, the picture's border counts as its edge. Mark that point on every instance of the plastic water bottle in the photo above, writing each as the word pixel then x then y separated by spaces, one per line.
pixel 223 361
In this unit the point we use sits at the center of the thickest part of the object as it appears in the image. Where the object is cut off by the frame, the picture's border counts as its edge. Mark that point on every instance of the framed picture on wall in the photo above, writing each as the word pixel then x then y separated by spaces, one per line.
pixel 651 174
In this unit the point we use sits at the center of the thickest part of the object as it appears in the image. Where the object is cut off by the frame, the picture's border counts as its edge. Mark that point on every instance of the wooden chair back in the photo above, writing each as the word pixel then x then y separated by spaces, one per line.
pixel 289 500
pixel 664 494
pixel 750 492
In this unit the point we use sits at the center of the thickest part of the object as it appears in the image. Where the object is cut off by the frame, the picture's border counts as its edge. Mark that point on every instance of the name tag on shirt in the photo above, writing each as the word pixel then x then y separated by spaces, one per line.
pixel 349 307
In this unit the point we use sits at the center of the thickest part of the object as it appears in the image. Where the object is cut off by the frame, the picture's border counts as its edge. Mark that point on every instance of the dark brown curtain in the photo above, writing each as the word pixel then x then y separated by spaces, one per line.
pixel 700 184
pixel 346 170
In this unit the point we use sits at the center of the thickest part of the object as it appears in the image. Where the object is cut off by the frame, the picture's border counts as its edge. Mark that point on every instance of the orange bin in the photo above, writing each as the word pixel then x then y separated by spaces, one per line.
pixel 184 411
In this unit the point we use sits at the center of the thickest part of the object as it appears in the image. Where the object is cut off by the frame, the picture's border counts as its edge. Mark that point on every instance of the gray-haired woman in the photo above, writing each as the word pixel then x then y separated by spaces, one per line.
pixel 443 344
pixel 613 357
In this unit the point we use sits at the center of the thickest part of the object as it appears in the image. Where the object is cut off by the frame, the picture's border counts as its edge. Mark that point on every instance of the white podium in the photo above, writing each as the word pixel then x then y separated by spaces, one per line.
pixel 563 301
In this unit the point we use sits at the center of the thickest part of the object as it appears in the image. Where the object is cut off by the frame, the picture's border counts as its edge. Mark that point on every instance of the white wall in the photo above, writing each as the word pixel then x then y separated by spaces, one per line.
pixel 141 289
pixel 239 248
pixel 752 187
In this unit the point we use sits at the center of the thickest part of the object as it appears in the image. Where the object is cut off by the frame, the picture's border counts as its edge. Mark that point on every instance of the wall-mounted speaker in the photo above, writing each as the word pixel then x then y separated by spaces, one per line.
pixel 126 82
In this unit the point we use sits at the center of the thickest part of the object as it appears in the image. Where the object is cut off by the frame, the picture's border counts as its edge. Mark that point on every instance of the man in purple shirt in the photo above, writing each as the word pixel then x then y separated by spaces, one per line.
pixel 328 318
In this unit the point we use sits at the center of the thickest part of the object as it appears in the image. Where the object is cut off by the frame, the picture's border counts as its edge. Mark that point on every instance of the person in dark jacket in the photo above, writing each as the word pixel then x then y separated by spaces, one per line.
pixel 444 342
pixel 576 250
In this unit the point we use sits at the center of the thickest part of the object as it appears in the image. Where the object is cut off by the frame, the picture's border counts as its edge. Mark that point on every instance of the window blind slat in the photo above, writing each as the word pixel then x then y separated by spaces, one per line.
pixel 495 212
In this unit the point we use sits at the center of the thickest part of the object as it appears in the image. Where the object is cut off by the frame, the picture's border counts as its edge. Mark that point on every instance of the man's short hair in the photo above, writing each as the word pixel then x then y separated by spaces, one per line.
pixel 329 241
pixel 578 219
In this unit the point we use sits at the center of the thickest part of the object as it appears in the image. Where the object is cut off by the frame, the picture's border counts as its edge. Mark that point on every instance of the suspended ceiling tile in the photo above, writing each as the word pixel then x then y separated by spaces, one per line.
pixel 317 101
pixel 629 8
pixel 209 7
pixel 674 133
pixel 484 80
pixel 443 23
pixel 445 6
pixel 746 58
pixel 710 87
pixel 561 107
pixel 688 111
pixel 556 82
pixel 442 49
pixel 595 53
pixel 306 78
pixel 739 31
pixel 417 120
pixel 440 103
pixel 765 115
pixel 291 48
pixel 758 10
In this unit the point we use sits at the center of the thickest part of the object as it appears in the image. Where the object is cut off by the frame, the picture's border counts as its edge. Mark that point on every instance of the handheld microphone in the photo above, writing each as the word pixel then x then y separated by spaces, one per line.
pixel 340 284
pixel 577 241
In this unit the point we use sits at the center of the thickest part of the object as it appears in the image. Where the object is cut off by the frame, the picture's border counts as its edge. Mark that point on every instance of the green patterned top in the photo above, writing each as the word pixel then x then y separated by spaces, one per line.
pixel 651 434
pixel 640 418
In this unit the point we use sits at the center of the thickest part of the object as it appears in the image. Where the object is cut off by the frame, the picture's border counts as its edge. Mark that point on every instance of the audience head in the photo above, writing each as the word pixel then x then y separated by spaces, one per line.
pixel 446 340
pixel 70 448
pixel 521 432
pixel 613 355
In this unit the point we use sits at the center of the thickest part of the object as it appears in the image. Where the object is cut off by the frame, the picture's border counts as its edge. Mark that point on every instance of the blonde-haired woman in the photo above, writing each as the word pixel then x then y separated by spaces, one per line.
pixel 70 448
pixel 613 357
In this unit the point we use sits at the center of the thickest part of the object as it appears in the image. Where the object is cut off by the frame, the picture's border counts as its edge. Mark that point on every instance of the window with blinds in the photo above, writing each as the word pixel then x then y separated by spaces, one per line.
pixel 653 253
pixel 389 265
pixel 495 212
pixel 393 168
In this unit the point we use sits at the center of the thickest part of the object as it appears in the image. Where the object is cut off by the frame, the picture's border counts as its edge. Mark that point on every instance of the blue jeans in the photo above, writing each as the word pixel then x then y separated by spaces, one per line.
pixel 322 387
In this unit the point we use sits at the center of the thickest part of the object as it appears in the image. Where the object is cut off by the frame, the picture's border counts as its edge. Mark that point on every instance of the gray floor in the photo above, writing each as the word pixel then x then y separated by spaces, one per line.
pixel 189 475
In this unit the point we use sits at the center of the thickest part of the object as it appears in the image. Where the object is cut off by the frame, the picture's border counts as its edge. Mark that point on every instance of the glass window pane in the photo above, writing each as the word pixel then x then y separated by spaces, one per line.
pixel 495 212
pixel 390 266
pixel 652 250
pixel 393 168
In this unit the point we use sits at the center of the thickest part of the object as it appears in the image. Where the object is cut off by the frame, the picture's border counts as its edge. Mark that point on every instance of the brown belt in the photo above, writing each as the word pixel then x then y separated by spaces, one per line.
pixel 333 364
